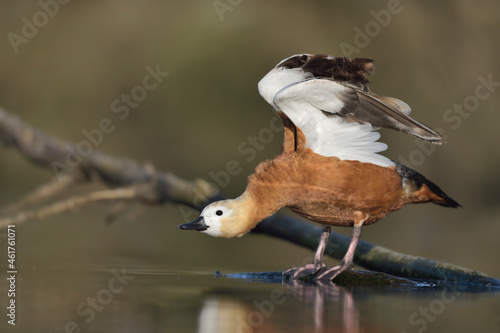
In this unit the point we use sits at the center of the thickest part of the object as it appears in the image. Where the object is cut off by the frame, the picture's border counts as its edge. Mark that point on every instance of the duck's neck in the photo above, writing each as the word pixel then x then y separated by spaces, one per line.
pixel 251 210
pixel 244 216
pixel 263 199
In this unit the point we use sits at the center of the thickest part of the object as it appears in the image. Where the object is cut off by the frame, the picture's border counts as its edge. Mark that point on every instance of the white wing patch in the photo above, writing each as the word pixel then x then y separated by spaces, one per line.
pixel 312 106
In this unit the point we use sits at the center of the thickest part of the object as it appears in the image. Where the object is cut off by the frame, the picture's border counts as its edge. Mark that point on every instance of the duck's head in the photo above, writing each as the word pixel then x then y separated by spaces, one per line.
pixel 287 72
pixel 226 218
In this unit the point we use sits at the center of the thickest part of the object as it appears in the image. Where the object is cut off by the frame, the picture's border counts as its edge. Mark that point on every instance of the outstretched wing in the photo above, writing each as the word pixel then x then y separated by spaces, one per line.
pixel 388 112
pixel 317 106
pixel 327 98
pixel 338 119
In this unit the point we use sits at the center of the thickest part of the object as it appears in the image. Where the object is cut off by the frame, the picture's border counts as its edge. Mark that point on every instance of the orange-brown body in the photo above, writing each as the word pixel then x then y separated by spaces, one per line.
pixel 328 190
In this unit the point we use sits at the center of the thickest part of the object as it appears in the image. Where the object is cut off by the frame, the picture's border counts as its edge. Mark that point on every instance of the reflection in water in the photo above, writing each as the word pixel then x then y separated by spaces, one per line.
pixel 224 314
pixel 319 294
pixel 166 301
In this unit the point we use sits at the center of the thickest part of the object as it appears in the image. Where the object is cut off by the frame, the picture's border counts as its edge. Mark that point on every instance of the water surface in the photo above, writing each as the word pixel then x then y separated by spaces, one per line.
pixel 148 298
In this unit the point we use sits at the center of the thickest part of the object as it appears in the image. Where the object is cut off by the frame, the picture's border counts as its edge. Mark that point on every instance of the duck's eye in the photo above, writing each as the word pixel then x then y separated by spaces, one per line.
pixel 218 213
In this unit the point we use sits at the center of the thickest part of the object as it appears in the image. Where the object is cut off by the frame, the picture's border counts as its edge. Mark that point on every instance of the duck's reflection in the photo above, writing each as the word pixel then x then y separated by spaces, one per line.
pixel 321 293
pixel 222 313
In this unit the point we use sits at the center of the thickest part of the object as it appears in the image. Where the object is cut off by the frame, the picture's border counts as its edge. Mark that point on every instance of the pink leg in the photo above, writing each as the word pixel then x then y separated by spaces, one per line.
pixel 347 262
pixel 317 263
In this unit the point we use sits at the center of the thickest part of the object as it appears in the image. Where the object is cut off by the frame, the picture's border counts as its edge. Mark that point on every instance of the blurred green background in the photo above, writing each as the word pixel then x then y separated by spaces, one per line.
pixel 65 78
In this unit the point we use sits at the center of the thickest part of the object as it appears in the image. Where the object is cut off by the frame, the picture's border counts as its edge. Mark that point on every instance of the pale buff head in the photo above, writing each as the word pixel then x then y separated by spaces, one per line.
pixel 226 218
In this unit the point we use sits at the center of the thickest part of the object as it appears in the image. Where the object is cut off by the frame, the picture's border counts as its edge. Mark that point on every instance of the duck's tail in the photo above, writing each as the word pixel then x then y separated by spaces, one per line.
pixel 420 189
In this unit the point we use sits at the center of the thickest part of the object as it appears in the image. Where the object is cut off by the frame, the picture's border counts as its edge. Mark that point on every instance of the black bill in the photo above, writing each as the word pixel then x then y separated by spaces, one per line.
pixel 198 224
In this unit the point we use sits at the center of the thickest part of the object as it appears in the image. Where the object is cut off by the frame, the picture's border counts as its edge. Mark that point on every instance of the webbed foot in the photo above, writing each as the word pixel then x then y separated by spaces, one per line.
pixel 332 273
pixel 303 271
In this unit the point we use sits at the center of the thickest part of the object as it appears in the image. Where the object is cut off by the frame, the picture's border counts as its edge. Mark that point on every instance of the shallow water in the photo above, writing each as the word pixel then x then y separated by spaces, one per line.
pixel 146 298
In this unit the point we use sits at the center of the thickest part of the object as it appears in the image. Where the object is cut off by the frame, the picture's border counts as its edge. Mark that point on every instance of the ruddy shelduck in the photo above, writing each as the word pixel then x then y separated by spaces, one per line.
pixel 330 171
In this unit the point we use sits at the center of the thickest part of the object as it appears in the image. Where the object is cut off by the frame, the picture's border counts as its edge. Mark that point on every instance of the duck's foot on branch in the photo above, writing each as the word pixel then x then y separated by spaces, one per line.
pixel 317 272
pixel 304 271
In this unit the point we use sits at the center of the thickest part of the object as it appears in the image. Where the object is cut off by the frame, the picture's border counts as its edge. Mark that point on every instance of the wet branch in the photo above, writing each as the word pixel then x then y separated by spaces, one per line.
pixel 374 257
pixel 129 181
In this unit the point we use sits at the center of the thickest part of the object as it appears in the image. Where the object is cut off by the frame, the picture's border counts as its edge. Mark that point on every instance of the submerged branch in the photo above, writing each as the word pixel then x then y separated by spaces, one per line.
pixel 349 278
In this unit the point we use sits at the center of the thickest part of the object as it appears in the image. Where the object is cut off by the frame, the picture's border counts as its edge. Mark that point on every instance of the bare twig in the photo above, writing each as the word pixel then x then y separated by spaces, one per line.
pixel 116 211
pixel 43 193
pixel 73 203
